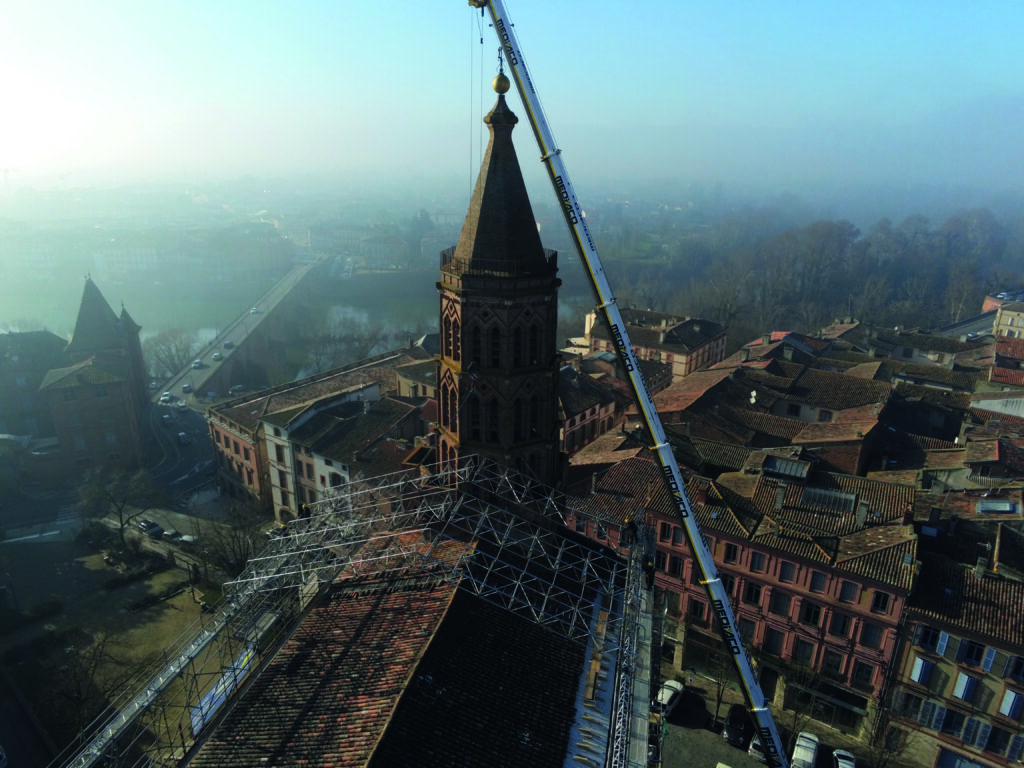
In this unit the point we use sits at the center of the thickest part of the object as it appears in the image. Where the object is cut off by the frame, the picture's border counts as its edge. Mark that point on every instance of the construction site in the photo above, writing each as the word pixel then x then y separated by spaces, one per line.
pixel 481 530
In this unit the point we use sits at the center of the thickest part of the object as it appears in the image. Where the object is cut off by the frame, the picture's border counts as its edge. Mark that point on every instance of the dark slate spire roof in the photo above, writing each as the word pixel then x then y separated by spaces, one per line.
pixel 97 327
pixel 500 232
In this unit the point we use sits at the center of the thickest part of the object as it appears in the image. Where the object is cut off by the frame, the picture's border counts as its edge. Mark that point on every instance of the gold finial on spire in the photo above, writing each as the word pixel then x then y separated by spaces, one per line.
pixel 501 84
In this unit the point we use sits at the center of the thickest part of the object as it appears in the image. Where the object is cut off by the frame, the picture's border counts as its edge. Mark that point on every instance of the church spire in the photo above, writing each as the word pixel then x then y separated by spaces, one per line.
pixel 500 233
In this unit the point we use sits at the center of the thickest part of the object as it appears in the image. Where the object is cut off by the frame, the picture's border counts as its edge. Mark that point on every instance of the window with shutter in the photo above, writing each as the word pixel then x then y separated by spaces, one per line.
pixel 1016 749
pixel 939 718
pixel 921 671
pixel 970 731
pixel 1010 705
pixel 940 647
pixel 990 656
pixel 983 731
pixel 926 714
pixel 965 685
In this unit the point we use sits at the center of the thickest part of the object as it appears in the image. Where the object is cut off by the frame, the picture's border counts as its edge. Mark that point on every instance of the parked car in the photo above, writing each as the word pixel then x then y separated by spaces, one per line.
pixel 756 751
pixel 197 363
pixel 737 726
pixel 181 405
pixel 218 356
pixel 236 389
pixel 669 694
pixel 805 751
pixel 186 388
pixel 167 419
pixel 150 528
pixel 843 759
pixel 166 397
pixel 254 311
pixel 229 345
pixel 184 438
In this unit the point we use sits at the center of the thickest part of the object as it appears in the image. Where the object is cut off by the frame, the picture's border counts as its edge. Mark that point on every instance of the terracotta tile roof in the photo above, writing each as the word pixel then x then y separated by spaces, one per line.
pixel 1008 554
pixel 424 372
pixel 578 393
pixel 609 448
pixel 949 594
pixel 328 696
pixel 249 410
pixel 683 393
pixel 1009 376
pixel 885 553
pixel 981 450
pixel 1010 348
pixel 838 330
pixel 652 329
pixel 957 401
pixel 85 373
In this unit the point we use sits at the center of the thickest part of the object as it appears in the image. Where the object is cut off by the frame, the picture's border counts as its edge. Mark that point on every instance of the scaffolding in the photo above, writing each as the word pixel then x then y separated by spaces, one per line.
pixel 489 529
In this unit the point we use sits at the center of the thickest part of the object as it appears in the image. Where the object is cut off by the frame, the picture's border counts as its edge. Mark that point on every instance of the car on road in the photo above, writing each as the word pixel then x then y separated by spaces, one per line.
pixel 236 389
pixel 150 528
pixel 184 438
pixel 218 356
pixel 805 751
pixel 229 345
pixel 669 694
pixel 843 759
pixel 756 751
pixel 167 419
pixel 166 397
pixel 737 726
pixel 186 388
pixel 181 405
pixel 254 311
pixel 197 363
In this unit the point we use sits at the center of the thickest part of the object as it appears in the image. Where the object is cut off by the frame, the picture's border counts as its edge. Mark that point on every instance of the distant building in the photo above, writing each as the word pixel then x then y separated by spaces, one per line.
pixel 687 344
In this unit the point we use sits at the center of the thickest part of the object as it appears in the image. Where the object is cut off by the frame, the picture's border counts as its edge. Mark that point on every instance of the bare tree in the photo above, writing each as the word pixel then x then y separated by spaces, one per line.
pixel 230 542
pixel 127 496
pixel 721 672
pixel 168 352
pixel 890 743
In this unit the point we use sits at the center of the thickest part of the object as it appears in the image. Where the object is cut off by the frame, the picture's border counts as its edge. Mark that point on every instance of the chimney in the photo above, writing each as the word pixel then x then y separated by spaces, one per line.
pixel 661 337
pixel 766 338
pixel 908 515
pixel 366 406
pixel 593 483
pixel 744 354
pixel 702 495
pixel 787 352
pixel 780 496
pixel 981 567
pixel 862 513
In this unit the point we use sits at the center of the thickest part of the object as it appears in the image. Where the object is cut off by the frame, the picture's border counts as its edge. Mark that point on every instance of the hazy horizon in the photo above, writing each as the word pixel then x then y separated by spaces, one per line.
pixel 768 97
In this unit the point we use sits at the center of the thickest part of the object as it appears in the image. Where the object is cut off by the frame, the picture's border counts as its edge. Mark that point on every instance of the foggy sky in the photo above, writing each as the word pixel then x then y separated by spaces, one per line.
pixel 765 94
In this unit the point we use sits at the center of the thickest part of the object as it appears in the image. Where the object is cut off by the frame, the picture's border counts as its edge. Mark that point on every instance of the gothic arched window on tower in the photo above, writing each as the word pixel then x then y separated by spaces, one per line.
pixel 495 351
pixel 452 397
pixel 534 416
pixel 447 341
pixel 517 419
pixel 534 345
pixel 475 344
pixel 517 347
pixel 456 340
pixel 474 418
pixel 493 422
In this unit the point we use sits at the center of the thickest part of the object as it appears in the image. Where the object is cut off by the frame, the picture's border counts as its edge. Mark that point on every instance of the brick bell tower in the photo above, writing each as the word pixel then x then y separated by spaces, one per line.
pixel 498 383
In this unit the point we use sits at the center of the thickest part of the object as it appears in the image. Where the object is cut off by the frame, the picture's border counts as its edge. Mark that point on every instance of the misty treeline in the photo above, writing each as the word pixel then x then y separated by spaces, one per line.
pixel 754 276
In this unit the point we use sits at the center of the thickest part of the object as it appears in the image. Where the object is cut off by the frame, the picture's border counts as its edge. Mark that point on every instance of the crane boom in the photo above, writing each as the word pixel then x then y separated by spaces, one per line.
pixel 606 305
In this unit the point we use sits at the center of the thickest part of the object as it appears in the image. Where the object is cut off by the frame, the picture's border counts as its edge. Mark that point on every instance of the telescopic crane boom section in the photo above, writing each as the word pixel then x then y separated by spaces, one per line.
pixel 573 213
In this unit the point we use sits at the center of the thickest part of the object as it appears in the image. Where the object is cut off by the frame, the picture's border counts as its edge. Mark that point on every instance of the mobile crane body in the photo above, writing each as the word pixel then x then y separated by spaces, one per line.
pixel 606 305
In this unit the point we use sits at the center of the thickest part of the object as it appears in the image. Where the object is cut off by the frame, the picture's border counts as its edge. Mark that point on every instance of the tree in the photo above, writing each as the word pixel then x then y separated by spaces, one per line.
pixel 168 352
pixel 889 743
pixel 721 672
pixel 127 496
pixel 230 542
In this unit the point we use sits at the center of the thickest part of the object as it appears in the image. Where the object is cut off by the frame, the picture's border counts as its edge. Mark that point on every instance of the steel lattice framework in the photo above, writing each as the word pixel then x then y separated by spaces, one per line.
pixel 493 531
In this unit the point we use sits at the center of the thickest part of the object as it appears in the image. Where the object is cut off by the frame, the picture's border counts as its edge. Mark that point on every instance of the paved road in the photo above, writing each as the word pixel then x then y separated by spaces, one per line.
pixel 689 743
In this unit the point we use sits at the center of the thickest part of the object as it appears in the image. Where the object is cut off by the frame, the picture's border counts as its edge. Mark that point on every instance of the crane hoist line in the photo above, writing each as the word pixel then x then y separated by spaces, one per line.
pixel 606 305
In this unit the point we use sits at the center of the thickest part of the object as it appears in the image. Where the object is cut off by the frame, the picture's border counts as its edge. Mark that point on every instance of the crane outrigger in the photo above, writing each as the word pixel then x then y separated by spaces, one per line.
pixel 573 213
